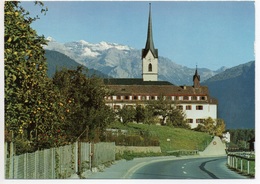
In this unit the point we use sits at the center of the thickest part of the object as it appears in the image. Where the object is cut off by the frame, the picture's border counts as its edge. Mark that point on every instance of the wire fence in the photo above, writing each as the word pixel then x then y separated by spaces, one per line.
pixel 56 163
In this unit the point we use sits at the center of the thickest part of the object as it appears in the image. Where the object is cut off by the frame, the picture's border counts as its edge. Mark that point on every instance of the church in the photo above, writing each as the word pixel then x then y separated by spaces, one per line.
pixel 194 101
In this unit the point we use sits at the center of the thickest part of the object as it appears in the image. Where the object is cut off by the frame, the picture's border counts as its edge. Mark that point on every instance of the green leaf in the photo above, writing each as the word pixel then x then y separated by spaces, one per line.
pixel 14 78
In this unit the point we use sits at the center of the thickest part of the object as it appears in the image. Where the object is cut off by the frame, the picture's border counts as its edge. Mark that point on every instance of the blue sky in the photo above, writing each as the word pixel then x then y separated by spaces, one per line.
pixel 209 34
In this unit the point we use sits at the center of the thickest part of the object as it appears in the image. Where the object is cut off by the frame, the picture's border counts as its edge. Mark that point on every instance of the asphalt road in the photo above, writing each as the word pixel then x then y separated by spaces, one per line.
pixel 199 168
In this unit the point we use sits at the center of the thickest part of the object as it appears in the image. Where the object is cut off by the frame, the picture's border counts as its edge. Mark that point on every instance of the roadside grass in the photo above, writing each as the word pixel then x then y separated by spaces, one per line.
pixel 171 139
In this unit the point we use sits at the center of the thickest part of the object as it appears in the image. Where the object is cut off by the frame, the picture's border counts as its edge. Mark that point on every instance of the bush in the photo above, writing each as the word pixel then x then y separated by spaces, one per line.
pixel 132 140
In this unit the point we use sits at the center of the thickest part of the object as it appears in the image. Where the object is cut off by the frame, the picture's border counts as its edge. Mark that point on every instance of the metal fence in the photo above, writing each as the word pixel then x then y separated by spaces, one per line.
pixel 59 162
pixel 99 149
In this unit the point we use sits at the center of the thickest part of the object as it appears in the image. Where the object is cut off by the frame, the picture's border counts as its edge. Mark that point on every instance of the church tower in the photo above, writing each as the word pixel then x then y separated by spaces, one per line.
pixel 196 79
pixel 150 55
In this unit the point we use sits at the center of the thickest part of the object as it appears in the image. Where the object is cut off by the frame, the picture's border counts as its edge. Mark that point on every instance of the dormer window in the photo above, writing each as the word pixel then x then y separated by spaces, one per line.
pixel 203 98
pixel 186 98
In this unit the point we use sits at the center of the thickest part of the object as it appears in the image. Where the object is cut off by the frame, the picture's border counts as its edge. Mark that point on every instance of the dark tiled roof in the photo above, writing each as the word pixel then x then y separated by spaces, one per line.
pixel 157 90
pixel 131 81
pixel 165 90
pixel 138 87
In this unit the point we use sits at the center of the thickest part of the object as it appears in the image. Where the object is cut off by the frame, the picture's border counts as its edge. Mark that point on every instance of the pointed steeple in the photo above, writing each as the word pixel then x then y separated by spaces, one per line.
pixel 196 79
pixel 149 42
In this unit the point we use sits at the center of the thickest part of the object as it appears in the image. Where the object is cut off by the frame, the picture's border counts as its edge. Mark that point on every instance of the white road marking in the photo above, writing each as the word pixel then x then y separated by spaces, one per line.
pixel 182 167
pixel 184 172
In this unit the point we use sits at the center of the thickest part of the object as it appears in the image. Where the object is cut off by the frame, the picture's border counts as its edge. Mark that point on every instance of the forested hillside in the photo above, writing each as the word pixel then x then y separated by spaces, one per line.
pixel 235 91
pixel 57 61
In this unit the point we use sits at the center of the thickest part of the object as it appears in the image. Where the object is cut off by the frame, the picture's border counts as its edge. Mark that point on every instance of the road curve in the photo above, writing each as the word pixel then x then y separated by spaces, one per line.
pixel 199 168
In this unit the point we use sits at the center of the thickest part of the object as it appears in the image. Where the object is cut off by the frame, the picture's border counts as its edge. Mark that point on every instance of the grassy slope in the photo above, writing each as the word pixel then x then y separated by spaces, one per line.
pixel 179 138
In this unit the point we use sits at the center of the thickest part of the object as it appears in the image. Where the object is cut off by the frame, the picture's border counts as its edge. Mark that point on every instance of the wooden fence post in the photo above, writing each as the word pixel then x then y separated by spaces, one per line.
pixel 5 152
pixel 11 162
pixel 241 165
pixel 53 163
pixel 236 162
pixel 25 166
pixel 248 166
pixel 90 156
pixel 35 164
pixel 76 157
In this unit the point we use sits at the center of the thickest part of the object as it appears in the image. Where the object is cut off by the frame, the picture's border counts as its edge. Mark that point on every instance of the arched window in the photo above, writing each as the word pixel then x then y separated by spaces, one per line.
pixel 150 67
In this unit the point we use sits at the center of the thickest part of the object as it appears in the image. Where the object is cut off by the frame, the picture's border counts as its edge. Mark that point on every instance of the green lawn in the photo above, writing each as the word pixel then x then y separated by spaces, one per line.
pixel 178 138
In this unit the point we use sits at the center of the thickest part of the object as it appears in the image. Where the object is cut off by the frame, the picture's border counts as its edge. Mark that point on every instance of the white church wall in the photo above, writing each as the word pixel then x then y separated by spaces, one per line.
pixel 150 75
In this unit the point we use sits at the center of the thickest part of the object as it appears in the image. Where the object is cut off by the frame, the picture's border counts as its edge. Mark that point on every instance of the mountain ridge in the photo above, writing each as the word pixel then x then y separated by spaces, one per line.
pixel 122 61
pixel 56 61
pixel 235 90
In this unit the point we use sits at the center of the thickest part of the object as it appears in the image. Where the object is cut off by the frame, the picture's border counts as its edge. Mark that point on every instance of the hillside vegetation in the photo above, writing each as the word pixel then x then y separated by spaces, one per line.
pixel 179 138
pixel 235 91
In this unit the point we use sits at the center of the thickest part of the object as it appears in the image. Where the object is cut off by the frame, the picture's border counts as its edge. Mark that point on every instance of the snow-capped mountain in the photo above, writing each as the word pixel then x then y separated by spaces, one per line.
pixel 121 61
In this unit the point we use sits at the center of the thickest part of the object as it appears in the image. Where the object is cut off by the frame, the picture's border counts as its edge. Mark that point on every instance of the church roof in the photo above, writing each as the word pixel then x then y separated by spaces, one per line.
pixel 134 81
pixel 149 42
pixel 138 87
pixel 196 75
pixel 167 90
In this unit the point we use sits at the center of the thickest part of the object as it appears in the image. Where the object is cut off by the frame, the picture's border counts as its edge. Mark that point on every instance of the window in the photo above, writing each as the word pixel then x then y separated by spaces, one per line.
pixel 200 120
pixel 143 97
pixel 118 97
pixel 135 97
pixel 152 97
pixel 186 98
pixel 188 107
pixel 150 67
pixel 194 97
pixel 199 107
pixel 180 107
pixel 169 97
pixel 189 120
pixel 127 97
pixel 202 98
pixel 116 107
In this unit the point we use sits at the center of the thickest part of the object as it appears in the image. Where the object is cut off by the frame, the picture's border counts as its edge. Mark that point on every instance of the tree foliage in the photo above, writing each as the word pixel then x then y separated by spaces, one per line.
pixel 86 109
pixel 140 114
pixel 237 135
pixel 29 105
pixel 168 112
pixel 41 112
pixel 213 127
pixel 220 127
pixel 127 114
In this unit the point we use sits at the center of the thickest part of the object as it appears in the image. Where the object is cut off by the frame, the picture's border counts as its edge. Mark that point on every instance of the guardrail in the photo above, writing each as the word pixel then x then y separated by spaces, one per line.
pixel 184 152
pixel 243 162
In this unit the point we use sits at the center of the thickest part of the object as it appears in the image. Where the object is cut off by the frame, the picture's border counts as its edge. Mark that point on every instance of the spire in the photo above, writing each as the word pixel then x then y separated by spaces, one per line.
pixel 149 42
pixel 196 79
